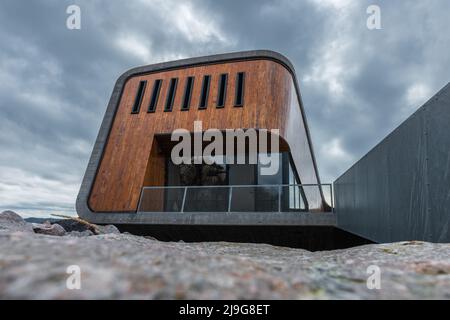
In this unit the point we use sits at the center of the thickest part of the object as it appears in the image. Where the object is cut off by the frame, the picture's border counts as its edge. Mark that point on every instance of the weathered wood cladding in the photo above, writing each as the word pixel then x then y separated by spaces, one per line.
pixel 270 102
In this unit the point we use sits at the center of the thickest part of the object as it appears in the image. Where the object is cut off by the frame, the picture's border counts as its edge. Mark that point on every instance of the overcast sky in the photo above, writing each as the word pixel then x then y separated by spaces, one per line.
pixel 357 84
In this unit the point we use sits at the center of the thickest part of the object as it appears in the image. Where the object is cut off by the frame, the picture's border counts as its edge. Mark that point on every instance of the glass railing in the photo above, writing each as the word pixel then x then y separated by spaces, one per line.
pixel 235 198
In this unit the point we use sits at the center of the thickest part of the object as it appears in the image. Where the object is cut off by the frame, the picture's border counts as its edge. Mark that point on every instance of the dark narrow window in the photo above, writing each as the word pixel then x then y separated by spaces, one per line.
pixel 239 98
pixel 171 94
pixel 155 95
pixel 187 93
pixel 138 99
pixel 222 94
pixel 205 92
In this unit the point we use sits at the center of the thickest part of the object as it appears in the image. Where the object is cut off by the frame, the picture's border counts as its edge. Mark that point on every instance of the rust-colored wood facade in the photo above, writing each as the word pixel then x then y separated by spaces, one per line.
pixel 131 158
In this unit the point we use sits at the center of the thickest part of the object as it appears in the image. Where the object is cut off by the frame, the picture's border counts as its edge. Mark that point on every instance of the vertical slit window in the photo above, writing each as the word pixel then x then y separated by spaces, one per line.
pixel 138 99
pixel 205 92
pixel 239 98
pixel 171 94
pixel 155 95
pixel 187 93
pixel 222 94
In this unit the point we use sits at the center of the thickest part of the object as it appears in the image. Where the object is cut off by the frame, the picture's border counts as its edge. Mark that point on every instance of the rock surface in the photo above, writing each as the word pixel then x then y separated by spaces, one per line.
pixel 123 266
pixel 72 225
pixel 10 220
pixel 75 226
pixel 49 229
pixel 108 229
pixel 80 234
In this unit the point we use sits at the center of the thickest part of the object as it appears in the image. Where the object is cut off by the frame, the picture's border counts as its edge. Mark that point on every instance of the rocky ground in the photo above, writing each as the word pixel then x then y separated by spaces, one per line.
pixel 34 259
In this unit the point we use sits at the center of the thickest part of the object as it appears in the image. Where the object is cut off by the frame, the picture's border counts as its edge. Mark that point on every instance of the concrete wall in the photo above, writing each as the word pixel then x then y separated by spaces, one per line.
pixel 401 189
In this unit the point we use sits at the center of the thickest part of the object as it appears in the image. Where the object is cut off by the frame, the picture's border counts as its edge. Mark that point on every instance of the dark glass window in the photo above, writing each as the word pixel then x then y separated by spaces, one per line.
pixel 155 95
pixel 205 92
pixel 239 97
pixel 138 99
pixel 187 93
pixel 171 94
pixel 221 96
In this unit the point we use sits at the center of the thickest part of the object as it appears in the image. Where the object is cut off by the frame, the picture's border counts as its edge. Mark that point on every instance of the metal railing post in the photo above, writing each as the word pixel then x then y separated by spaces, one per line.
pixel 279 198
pixel 229 198
pixel 184 199
pixel 140 199
pixel 332 197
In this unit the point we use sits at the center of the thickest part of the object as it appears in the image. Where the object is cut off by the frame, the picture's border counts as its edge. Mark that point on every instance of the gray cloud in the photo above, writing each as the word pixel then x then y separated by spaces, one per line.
pixel 357 84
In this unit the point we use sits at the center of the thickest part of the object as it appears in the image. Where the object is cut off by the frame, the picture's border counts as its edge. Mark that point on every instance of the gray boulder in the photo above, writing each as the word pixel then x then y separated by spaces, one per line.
pixel 108 229
pixel 11 221
pixel 49 229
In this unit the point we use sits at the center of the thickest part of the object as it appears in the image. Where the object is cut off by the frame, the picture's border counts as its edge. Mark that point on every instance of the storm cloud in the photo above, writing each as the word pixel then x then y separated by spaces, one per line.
pixel 357 84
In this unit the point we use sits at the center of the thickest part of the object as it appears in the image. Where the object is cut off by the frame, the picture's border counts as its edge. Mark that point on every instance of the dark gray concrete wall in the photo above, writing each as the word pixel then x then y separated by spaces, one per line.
pixel 401 189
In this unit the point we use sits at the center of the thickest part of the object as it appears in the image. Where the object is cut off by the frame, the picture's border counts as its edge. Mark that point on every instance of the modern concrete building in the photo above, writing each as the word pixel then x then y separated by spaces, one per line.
pixel 132 181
